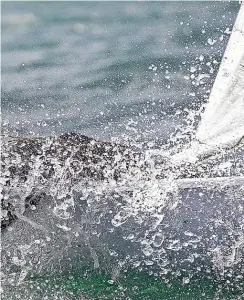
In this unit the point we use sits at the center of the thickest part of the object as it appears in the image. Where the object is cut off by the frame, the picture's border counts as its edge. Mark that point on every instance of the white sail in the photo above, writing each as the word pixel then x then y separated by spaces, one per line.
pixel 222 124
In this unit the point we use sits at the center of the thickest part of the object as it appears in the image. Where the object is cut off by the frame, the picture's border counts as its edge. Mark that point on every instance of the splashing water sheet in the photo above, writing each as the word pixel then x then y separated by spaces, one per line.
pixel 83 218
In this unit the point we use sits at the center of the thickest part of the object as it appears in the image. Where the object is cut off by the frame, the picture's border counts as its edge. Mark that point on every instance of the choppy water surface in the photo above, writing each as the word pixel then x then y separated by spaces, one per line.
pixel 91 220
pixel 97 67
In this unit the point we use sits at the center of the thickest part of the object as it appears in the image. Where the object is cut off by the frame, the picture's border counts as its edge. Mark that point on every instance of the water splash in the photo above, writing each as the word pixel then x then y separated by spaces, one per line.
pixel 79 202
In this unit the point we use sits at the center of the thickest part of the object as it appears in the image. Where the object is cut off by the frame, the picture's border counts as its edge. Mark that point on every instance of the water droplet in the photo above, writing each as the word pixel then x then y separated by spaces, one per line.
pixel 186 280
pixel 148 250
pixel 158 239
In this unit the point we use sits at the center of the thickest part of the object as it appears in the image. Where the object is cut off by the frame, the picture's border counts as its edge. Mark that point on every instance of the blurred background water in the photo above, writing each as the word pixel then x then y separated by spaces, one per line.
pixel 109 69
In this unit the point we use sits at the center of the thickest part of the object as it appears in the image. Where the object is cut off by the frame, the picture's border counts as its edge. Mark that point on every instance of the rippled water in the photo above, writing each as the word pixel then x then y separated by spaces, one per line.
pixel 97 67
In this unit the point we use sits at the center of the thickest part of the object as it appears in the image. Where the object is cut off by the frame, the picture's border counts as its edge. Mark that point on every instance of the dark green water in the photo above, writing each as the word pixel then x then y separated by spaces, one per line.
pixel 130 285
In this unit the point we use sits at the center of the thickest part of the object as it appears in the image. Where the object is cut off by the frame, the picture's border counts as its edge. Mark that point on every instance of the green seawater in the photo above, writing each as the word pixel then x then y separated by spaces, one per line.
pixel 130 285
